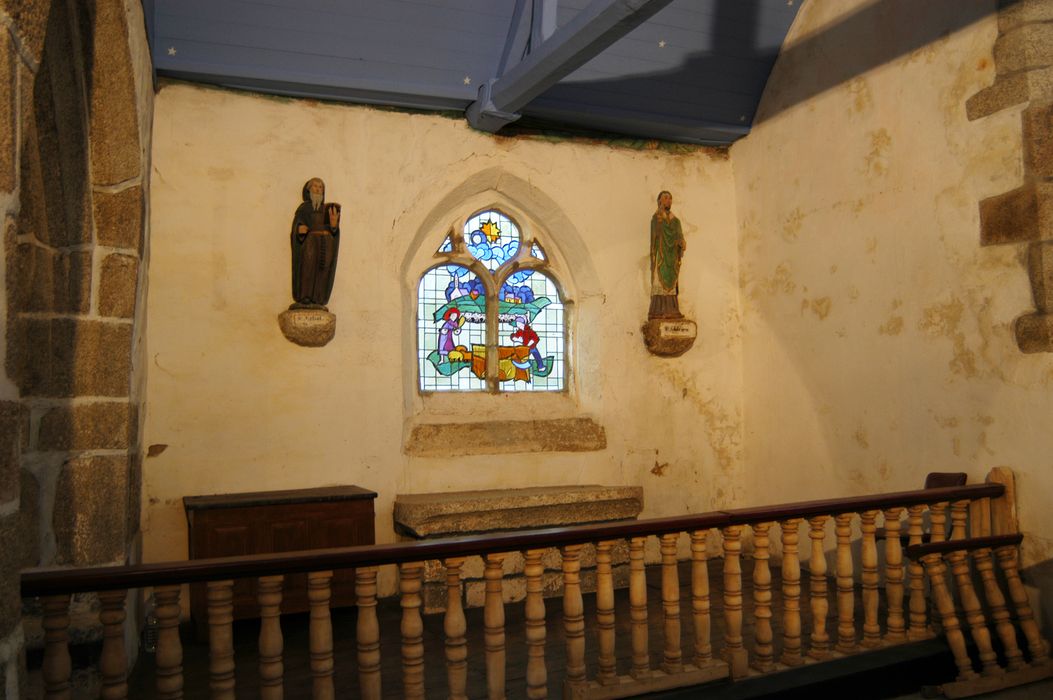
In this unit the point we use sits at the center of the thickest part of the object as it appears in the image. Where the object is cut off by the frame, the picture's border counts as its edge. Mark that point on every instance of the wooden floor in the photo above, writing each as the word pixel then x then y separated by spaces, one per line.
pixel 297 671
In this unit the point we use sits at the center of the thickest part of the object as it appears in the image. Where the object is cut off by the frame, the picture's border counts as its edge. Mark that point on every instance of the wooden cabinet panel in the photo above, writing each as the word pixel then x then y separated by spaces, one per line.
pixel 277 521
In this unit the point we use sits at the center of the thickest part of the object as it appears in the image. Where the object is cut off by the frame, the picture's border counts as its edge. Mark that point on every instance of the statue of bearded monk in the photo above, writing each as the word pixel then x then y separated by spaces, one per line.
pixel 315 240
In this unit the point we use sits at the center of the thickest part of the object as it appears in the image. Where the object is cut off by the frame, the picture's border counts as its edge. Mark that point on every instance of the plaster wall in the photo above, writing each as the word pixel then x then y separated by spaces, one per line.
pixel 233 406
pixel 877 332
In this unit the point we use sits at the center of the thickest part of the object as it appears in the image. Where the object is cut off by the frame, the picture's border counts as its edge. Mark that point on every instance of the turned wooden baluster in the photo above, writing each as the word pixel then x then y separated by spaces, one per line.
pixel 869 578
pixel 573 621
pixel 169 656
pixel 113 664
pixel 700 598
pixel 919 620
pixel 817 589
pixel 935 568
pixel 221 639
pixel 974 615
pixel 1037 647
pixel 791 593
pixel 999 612
pixel 272 670
pixel 763 659
pixel 734 652
pixel 367 632
pixel 605 614
pixel 896 625
pixel 412 630
pixel 672 657
pixel 455 626
pixel 536 673
pixel 938 522
pixel 319 593
pixel 846 627
pixel 959 519
pixel 57 666
pixel 494 627
pixel 641 667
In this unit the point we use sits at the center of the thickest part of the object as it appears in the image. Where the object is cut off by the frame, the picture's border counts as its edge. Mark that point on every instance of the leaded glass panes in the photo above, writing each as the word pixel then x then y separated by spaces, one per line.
pixel 531 337
pixel 492 238
pixel 451 330
pixel 452 318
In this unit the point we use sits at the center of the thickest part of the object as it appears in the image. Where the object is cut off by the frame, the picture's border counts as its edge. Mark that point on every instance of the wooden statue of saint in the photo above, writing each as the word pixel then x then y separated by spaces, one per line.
pixel 315 240
pixel 667 250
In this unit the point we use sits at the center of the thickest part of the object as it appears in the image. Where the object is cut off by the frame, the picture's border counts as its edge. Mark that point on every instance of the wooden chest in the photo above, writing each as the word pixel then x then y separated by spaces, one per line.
pixel 277 521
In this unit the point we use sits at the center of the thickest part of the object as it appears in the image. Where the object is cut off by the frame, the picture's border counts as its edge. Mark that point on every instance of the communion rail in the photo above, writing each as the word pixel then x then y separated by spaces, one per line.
pixel 985 552
pixel 932 514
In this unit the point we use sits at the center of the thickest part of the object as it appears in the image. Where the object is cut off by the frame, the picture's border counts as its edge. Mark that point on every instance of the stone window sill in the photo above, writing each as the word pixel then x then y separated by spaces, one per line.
pixel 453 439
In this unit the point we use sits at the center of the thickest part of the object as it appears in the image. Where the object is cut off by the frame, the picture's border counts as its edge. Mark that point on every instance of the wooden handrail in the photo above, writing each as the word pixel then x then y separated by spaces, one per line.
pixel 55 581
pixel 918 551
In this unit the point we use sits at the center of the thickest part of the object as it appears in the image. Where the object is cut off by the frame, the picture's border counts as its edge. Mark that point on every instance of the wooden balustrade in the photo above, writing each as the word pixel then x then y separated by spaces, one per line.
pixel 744 636
pixel 455 627
pixel 820 605
pixel 269 594
pixel 992 676
pixel 791 593
pixel 319 593
pixel 412 630
pixel 221 639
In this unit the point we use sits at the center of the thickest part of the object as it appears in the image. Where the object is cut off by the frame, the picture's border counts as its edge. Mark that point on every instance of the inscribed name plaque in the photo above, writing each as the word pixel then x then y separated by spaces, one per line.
pixel 310 327
pixel 669 338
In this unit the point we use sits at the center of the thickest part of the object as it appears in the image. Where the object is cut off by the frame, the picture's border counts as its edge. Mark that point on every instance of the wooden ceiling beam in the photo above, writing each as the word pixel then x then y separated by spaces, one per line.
pixel 595 28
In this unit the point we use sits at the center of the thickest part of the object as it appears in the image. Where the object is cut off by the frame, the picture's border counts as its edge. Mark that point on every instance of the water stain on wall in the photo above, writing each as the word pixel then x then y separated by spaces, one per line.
pixel 781 282
pixel 859 91
pixel 820 307
pixel 723 428
pixel 944 321
pixel 892 326
pixel 877 158
pixel 792 227
pixel 946 421
pixel 861 437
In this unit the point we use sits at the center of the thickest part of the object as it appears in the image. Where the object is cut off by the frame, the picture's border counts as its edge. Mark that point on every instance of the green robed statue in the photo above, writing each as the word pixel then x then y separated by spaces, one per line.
pixel 667 250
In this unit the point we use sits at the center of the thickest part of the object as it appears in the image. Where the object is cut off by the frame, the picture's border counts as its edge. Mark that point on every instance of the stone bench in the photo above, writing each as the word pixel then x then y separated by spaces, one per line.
pixel 453 514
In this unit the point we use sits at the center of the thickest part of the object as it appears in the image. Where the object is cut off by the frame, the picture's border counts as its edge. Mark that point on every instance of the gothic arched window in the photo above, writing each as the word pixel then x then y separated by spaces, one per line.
pixel 490 315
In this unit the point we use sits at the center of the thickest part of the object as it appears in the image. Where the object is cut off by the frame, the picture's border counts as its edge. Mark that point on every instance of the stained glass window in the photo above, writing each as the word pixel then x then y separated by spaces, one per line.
pixel 454 309
pixel 451 330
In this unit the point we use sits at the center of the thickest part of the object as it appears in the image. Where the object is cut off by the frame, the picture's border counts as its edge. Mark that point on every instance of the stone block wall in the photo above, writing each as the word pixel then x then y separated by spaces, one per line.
pixel 74 117
pixel 1023 56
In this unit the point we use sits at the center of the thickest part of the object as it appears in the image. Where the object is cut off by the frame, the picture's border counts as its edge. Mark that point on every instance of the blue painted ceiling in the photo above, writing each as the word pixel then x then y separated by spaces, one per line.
pixel 692 72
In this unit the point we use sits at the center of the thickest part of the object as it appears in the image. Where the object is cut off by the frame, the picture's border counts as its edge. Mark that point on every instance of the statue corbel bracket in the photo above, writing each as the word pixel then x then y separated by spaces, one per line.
pixel 309 325
pixel 669 337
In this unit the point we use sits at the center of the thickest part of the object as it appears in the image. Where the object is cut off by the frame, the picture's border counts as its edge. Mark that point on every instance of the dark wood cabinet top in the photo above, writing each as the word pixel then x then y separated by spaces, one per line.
pixel 271 498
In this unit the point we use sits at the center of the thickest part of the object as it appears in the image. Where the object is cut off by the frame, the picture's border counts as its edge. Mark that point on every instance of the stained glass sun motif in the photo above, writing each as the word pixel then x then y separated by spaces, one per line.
pixel 452 318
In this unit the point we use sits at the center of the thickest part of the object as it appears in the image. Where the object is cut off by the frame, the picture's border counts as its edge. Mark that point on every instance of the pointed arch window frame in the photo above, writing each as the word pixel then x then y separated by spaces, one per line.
pixel 532 254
